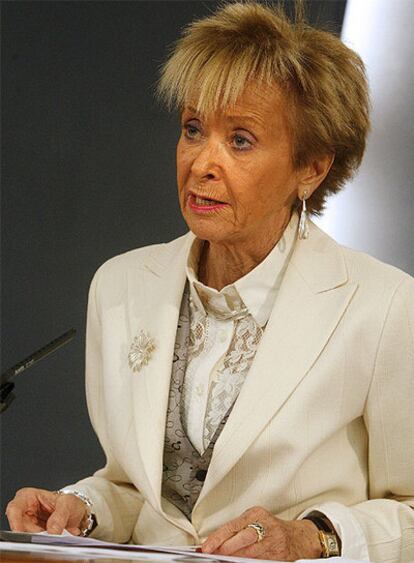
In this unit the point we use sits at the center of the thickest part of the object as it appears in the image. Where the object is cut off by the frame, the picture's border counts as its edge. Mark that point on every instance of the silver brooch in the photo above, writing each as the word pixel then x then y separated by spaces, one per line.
pixel 141 351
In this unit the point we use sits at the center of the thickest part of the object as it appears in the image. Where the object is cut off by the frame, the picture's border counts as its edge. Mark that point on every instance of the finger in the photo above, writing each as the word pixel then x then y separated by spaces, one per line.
pixel 255 551
pixel 48 501
pixel 21 522
pixel 15 517
pixel 42 514
pixel 74 531
pixel 241 540
pixel 69 512
pixel 31 525
pixel 33 528
pixel 224 533
pixel 58 520
pixel 15 512
pixel 36 519
pixel 45 507
pixel 78 513
pixel 29 508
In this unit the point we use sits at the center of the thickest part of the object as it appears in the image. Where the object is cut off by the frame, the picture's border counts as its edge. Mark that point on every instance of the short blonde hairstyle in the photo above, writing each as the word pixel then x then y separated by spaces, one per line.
pixel 323 81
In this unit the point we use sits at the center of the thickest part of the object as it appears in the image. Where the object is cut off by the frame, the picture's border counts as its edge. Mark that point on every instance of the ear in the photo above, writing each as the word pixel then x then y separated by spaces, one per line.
pixel 313 174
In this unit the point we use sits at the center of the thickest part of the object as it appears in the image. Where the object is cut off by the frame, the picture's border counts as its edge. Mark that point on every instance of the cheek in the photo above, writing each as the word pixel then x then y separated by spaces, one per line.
pixel 260 196
pixel 183 164
pixel 180 172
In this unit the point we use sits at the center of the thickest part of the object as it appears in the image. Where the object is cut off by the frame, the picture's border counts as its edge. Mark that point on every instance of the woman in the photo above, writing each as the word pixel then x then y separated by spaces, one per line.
pixel 251 382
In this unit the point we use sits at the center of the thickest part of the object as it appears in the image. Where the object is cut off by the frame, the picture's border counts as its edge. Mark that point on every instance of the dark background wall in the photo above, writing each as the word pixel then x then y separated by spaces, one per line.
pixel 88 171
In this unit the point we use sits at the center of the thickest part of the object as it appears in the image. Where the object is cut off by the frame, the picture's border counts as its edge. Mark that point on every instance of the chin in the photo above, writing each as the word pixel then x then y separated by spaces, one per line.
pixel 207 229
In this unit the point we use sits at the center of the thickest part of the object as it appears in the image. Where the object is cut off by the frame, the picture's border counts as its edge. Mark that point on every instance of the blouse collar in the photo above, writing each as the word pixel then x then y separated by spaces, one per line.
pixel 254 293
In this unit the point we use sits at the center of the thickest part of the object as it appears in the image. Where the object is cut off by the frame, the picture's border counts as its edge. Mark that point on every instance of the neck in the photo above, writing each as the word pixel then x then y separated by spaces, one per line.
pixel 223 263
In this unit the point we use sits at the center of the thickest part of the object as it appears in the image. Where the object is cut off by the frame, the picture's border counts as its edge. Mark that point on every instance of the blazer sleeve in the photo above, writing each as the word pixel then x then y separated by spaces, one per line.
pixel 116 502
pixel 387 519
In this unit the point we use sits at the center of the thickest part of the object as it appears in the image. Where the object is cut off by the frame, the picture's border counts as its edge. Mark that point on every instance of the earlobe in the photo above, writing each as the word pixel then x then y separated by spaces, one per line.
pixel 314 174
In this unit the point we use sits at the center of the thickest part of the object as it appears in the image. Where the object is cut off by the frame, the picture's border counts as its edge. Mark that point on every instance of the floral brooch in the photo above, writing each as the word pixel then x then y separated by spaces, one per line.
pixel 140 351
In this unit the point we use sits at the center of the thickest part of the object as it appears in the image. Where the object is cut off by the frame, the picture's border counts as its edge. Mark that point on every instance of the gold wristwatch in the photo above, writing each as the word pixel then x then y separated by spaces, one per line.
pixel 329 544
pixel 330 541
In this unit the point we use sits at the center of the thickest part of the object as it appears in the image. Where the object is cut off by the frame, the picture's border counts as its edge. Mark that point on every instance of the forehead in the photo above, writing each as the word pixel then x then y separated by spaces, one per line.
pixel 258 102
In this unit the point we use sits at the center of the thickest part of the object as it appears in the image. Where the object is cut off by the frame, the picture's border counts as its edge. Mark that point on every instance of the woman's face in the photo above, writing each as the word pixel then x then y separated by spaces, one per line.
pixel 234 168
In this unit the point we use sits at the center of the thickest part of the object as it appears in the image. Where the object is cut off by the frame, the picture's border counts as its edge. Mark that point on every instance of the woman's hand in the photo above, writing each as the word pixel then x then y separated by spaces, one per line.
pixel 38 510
pixel 283 540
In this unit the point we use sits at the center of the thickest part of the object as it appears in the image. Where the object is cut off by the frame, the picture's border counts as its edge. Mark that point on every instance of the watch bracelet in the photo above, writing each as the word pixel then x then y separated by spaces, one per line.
pixel 330 541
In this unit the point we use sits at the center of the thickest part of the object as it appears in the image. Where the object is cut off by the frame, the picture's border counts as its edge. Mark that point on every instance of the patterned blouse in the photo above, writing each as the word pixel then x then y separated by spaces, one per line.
pixel 225 330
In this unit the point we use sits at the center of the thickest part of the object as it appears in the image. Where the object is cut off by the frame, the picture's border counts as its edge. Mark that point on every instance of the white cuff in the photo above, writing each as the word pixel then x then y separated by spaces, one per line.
pixel 354 545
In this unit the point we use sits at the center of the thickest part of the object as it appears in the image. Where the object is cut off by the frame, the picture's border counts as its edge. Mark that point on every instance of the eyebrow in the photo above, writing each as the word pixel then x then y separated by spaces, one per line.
pixel 233 118
pixel 253 120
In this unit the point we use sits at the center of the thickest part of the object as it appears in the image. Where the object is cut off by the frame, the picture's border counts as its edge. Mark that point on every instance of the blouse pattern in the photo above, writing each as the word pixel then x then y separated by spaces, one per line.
pixel 216 343
pixel 223 371
pixel 184 468
pixel 225 330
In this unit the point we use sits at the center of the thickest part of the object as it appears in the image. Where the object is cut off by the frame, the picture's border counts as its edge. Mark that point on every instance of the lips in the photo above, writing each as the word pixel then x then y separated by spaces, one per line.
pixel 203 200
pixel 204 204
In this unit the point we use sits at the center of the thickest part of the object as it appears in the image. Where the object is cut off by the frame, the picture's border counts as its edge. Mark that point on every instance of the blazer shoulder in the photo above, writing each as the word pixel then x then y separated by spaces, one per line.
pixel 365 269
pixel 139 256
pixel 322 257
pixel 381 287
pixel 155 257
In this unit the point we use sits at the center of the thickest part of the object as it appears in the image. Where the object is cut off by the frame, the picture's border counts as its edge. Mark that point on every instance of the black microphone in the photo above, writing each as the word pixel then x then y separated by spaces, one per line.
pixel 7 386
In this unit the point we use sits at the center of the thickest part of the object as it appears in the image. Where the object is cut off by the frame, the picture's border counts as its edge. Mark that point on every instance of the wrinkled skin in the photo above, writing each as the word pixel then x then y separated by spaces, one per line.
pixel 284 540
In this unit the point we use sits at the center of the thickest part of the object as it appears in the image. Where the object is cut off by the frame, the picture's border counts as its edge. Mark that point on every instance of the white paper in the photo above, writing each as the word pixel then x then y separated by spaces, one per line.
pixel 75 545
pixel 86 552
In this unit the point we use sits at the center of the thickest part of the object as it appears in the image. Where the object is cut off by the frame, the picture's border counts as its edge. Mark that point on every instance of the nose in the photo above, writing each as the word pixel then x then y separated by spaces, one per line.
pixel 206 164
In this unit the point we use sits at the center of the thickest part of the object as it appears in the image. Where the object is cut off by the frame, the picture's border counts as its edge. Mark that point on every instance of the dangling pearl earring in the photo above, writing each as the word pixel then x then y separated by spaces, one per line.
pixel 303 222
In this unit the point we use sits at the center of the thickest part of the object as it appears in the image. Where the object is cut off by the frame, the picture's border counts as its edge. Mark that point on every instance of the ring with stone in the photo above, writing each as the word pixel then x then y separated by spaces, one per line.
pixel 259 529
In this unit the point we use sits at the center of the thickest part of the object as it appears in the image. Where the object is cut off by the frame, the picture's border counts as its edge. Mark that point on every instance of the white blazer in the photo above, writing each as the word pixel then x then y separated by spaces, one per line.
pixel 325 417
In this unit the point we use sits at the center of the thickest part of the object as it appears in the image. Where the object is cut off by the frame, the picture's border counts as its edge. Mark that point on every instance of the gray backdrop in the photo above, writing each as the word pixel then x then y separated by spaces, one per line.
pixel 375 213
pixel 88 172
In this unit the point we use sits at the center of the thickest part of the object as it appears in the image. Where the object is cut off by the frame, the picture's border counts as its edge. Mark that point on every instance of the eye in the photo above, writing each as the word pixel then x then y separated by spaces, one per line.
pixel 191 130
pixel 241 142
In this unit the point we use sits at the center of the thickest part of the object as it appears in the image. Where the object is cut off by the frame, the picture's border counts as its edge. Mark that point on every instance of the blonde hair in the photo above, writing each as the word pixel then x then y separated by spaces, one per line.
pixel 323 81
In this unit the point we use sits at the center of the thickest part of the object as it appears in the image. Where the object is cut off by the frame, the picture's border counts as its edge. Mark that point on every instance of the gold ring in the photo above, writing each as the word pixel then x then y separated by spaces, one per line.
pixel 259 529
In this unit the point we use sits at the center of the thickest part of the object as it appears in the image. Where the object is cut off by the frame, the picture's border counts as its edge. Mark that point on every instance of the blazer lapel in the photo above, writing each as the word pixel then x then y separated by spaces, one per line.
pixel 155 297
pixel 312 299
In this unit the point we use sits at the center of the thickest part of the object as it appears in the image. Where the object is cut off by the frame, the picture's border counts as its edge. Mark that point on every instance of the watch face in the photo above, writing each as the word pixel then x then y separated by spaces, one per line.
pixel 332 545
